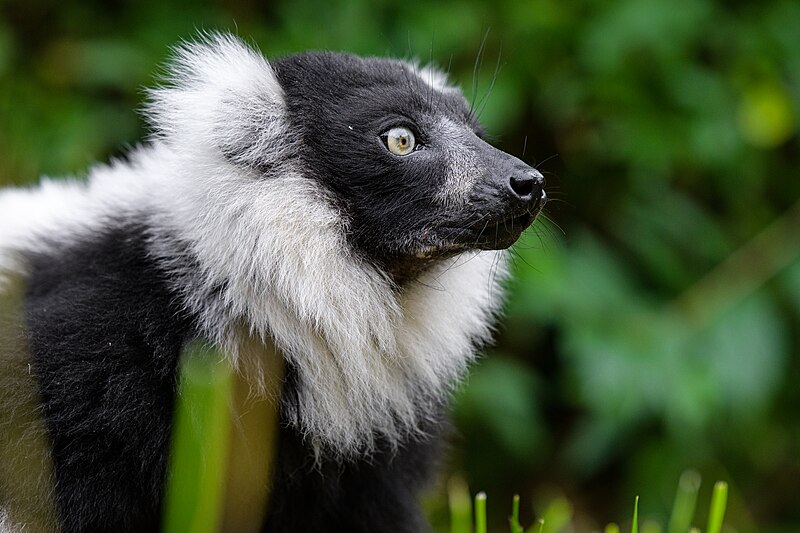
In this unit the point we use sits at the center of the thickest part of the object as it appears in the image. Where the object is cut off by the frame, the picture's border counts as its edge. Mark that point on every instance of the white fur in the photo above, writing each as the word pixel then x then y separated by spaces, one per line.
pixel 372 360
pixel 463 165
pixel 222 94
pixel 27 216
pixel 5 523
pixel 432 76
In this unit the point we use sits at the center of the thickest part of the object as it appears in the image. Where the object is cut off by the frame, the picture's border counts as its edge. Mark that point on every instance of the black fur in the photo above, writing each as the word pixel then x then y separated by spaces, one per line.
pixel 106 332
pixel 378 494
pixel 105 335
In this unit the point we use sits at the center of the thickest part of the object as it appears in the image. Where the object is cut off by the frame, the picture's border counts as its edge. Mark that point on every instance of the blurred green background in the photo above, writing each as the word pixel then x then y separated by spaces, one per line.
pixel 653 322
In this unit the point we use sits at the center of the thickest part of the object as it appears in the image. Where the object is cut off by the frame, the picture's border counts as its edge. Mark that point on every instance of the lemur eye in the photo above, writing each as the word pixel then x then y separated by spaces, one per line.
pixel 399 141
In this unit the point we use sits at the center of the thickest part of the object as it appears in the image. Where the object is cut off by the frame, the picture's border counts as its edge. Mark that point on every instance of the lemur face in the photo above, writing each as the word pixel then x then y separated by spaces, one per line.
pixel 404 155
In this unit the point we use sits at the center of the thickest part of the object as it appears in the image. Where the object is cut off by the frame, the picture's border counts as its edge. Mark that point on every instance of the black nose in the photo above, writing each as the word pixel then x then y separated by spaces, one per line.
pixel 527 185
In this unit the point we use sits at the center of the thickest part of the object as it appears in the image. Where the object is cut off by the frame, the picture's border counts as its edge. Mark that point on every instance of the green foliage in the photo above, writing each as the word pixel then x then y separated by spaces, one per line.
pixel 557 517
pixel 196 480
pixel 460 506
pixel 480 512
pixel 516 527
pixel 719 501
pixel 685 502
pixel 657 327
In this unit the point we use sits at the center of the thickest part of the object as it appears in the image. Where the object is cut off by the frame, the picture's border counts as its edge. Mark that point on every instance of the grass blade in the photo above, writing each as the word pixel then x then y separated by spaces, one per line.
pixel 635 524
pixel 685 502
pixel 537 527
pixel 611 528
pixel 196 480
pixel 480 512
pixel 460 506
pixel 719 500
pixel 515 526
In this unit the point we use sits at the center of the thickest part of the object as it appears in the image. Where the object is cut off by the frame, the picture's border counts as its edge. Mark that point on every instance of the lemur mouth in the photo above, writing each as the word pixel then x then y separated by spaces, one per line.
pixel 485 234
pixel 501 233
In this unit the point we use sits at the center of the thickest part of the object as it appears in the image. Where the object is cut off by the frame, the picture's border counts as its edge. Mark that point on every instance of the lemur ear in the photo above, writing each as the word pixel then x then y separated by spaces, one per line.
pixel 219 94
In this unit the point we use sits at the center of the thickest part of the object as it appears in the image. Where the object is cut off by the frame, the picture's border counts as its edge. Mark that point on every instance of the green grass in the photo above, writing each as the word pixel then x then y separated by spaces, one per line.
pixel 719 500
pixel 480 512
pixel 557 515
pixel 516 527
pixel 196 481
pixel 685 502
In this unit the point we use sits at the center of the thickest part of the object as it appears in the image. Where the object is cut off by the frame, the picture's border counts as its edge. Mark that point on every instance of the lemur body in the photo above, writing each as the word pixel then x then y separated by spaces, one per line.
pixel 344 210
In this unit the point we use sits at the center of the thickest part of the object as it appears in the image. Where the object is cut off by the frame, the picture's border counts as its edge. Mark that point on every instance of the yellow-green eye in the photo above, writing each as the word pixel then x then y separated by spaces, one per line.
pixel 399 141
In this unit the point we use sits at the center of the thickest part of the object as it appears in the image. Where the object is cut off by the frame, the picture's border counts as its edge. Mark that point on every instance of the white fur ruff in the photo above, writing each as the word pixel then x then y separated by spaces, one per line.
pixel 5 523
pixel 372 361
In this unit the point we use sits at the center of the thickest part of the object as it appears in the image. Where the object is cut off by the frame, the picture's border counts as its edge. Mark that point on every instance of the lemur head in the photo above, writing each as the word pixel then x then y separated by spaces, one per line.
pixel 400 150
pixel 405 152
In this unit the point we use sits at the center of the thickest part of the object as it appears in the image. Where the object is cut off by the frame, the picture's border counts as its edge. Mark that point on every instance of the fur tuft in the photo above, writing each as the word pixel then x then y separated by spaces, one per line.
pixel 432 76
pixel 220 94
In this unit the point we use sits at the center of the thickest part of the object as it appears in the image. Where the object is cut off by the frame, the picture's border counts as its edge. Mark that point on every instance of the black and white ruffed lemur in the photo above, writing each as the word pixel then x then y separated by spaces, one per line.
pixel 344 210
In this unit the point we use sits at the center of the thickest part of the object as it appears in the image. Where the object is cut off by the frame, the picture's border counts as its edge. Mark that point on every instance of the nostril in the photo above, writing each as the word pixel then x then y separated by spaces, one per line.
pixel 522 185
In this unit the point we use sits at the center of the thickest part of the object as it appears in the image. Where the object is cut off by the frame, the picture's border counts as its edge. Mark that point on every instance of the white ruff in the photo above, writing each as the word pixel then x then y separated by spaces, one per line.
pixel 268 251
pixel 5 523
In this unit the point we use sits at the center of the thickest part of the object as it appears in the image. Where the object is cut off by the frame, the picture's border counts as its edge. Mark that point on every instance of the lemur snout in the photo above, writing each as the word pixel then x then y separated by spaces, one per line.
pixel 520 188
pixel 528 186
